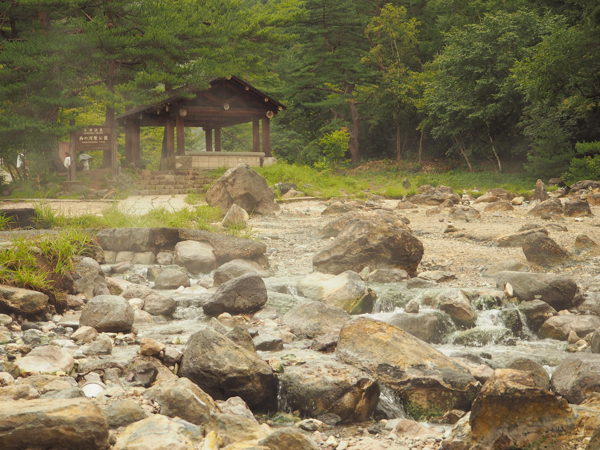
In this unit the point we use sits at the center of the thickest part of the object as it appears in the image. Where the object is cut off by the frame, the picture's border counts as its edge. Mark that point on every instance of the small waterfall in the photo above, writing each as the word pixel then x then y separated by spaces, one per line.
pixel 282 403
pixel 526 330
pixel 390 405
pixel 489 318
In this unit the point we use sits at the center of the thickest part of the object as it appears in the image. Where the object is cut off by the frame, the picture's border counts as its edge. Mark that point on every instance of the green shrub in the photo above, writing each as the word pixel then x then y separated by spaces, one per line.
pixel 586 167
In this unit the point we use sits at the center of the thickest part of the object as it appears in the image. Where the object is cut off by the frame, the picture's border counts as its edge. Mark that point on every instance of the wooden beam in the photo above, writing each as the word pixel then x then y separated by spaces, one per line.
pixel 266 136
pixel 128 144
pixel 209 146
pixel 255 135
pixel 180 136
pixel 170 130
pixel 135 144
pixel 217 139
pixel 211 111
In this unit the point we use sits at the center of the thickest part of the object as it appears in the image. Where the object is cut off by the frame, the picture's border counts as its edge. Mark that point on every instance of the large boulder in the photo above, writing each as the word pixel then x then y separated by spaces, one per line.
pixel 237 268
pixel 429 382
pixel 233 428
pixel 518 239
pixel 543 251
pixel 541 193
pixel 287 439
pixel 429 326
pixel 559 327
pixel 171 278
pixel 223 369
pixel 332 229
pixel 512 411
pixel 456 304
pixel 577 377
pixel 577 207
pixel 159 305
pixel 314 319
pixel 552 205
pixel 22 301
pixel 242 295
pixel 53 423
pixel 346 291
pixel 328 387
pixel 47 359
pixel 244 187
pixel 435 196
pixel 559 292
pixel 196 257
pixel 369 244
pixel 540 376
pixel 108 313
pixel 536 312
pixel 159 432
pixel 183 399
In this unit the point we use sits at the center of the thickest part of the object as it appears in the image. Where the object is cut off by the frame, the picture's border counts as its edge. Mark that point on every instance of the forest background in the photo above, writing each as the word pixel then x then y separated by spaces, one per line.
pixel 514 84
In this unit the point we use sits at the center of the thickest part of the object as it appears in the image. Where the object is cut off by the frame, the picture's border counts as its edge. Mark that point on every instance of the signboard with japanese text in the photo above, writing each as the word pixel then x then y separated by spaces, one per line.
pixel 93 138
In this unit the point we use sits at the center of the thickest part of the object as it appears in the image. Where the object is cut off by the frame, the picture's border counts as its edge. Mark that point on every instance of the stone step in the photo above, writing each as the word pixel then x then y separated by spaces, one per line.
pixel 167 191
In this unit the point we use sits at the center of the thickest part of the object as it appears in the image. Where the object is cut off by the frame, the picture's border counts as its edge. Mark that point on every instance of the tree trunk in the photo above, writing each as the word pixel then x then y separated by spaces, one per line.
pixel 108 122
pixel 464 153
pixel 495 154
pixel 421 147
pixel 354 149
pixel 398 148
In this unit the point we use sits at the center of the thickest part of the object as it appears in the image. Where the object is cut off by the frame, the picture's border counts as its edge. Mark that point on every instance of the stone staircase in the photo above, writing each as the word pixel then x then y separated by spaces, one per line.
pixel 173 182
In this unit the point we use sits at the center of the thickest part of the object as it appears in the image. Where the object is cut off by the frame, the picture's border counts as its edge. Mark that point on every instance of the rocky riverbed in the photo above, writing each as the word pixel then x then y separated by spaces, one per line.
pixel 479 330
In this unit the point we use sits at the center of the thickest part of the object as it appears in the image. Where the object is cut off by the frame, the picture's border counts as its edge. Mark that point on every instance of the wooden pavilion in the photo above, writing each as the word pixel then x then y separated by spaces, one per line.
pixel 227 101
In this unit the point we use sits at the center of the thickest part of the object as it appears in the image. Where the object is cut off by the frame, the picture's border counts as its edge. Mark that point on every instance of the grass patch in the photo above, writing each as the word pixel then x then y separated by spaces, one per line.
pixel 385 178
pixel 193 198
pixel 42 264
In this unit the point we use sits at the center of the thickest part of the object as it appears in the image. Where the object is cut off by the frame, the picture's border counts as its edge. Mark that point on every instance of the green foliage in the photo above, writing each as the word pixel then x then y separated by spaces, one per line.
pixel 334 146
pixel 586 167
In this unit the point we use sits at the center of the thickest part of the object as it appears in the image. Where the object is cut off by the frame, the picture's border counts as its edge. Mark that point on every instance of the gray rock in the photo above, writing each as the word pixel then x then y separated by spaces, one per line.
pixel 90 277
pixel 223 369
pixel 540 376
pixel 240 336
pixel 577 377
pixel 70 423
pixel 315 319
pixel 160 305
pixel 183 399
pixel 518 239
pixel 540 193
pixel 242 295
pixel 268 343
pixel 65 393
pixel 537 312
pixel 108 313
pixel 541 250
pixel 388 276
pixel 196 257
pixel 464 214
pixel 559 327
pixel 288 438
pixel 577 207
pixel 47 359
pixel 123 412
pixel 557 291
pixel 491 269
pixel 234 428
pixel 236 217
pixel 456 304
pixel 32 337
pixel 328 387
pixel 171 279
pixel 136 291
pixel 346 291
pixel 429 326
pixel 244 187
pixel 237 268
pixel 552 205
pixel 22 300
pixel 159 432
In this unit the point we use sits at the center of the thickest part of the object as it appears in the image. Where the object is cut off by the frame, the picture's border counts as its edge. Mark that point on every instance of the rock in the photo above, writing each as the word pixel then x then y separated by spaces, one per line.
pixel 17 392
pixel 559 292
pixel 159 432
pixel 172 356
pixel 287 439
pixel 101 346
pixel 518 239
pixel 540 249
pixel 242 295
pixel 145 258
pixel 540 376
pixel 165 258
pixel 150 347
pixel 435 196
pixel 283 188
pixel 85 334
pixel 241 336
pixel 266 342
pixel 6 379
pixel 429 326
pixel 410 428
pixel 491 269
pixel 411 307
pixel 196 257
pixel 233 428
pixel 577 377
pixel 558 327
pixel 380 216
pixel 183 399
pixel 512 411
pixel 171 279
pixel 498 207
pixel 439 276
pixel 22 300
pixel 584 184
pixel 540 193
pixel 388 276
pixel 556 182
pixel 457 305
pixel 517 201
pixel 237 268
pixel 481 337
pixel 464 214
pixel 322 387
pixel 552 205
pixel 236 406
pixel 488 197
pixel 429 382
pixel 136 291
pixel 236 217
pixel 47 359
pixel 346 291
pixel 107 313
pixel 577 208
pixel 315 319
pixel 141 317
pixel 583 243
pixel 89 277
pixel 46 423
pixel 123 412
pixel 244 187
pixel 223 369
pixel 367 244
pixel 159 305
pixel 343 207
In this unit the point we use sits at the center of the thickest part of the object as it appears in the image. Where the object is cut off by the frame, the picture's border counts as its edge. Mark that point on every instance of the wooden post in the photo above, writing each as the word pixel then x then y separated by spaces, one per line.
pixel 255 135
pixel 128 144
pixel 218 139
pixel 170 130
pixel 266 136
pixel 72 170
pixel 135 144
pixel 209 147
pixel 180 136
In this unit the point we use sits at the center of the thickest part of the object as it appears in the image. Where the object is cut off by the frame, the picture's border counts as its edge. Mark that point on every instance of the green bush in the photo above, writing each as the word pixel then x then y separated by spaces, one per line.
pixel 586 167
